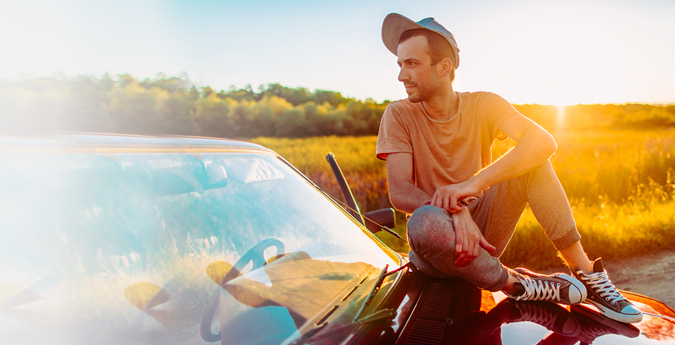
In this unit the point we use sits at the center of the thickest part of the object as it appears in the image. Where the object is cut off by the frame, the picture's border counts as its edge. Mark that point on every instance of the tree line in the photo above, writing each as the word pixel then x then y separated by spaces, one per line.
pixel 173 105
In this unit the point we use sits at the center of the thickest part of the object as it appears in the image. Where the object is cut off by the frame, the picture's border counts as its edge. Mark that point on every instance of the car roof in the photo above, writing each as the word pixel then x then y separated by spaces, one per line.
pixel 97 142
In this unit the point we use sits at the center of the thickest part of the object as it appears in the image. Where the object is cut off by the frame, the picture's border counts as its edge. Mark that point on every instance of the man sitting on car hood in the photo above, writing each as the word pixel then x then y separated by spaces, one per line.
pixel 437 147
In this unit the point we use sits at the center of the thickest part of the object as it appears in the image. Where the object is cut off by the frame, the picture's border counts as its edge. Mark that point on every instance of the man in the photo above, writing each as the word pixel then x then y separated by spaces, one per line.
pixel 437 147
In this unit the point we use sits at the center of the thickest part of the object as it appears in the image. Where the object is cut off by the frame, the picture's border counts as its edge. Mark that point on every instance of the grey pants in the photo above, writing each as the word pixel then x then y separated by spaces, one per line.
pixel 432 237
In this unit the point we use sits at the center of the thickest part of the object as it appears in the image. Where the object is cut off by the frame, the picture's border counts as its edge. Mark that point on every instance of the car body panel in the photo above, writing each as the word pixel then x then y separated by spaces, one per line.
pixel 452 311
pixel 408 307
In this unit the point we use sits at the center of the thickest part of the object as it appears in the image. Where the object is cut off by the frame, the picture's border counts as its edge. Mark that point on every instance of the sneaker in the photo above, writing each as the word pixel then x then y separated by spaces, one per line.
pixel 550 315
pixel 557 288
pixel 603 295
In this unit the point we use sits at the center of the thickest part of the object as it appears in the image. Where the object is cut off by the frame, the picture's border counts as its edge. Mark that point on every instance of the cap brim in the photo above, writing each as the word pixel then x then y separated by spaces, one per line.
pixel 393 26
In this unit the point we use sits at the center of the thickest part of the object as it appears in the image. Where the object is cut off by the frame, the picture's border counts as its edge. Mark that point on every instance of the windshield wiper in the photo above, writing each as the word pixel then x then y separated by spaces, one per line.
pixel 356 321
pixel 373 291
pixel 322 324
pixel 384 313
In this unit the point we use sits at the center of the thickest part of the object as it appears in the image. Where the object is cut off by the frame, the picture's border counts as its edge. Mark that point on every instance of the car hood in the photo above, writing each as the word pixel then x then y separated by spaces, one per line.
pixel 452 311
pixel 544 323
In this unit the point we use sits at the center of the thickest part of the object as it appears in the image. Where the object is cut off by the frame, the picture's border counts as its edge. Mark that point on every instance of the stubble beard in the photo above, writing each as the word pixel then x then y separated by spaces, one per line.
pixel 422 93
pixel 415 98
pixel 418 95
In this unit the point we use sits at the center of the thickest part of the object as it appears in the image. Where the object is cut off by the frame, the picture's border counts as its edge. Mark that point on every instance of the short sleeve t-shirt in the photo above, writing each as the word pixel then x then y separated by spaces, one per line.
pixel 448 151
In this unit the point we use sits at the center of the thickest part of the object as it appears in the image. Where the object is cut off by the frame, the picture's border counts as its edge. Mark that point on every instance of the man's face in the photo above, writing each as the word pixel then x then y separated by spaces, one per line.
pixel 420 78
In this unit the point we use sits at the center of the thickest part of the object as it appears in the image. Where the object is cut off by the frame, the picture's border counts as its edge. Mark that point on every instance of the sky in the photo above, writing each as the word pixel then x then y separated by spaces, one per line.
pixel 546 52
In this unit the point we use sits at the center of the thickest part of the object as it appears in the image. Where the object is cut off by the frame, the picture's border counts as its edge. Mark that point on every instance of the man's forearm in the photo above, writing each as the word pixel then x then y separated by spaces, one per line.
pixel 403 194
pixel 531 152
pixel 408 198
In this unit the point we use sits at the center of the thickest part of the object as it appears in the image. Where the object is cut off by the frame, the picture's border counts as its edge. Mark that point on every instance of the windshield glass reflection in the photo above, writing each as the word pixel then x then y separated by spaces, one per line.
pixel 137 248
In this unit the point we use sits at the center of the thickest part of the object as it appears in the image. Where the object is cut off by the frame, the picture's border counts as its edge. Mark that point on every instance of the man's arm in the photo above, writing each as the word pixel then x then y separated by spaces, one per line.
pixel 403 194
pixel 406 197
pixel 534 147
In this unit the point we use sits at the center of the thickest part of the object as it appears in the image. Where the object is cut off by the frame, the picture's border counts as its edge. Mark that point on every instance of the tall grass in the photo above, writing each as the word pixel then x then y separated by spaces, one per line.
pixel 619 184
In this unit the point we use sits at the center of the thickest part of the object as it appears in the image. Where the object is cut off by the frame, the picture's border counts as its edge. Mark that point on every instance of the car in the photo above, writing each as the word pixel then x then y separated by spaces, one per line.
pixel 113 239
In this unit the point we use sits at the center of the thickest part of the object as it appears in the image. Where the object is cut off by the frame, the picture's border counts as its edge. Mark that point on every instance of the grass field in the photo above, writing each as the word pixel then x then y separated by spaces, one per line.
pixel 619 184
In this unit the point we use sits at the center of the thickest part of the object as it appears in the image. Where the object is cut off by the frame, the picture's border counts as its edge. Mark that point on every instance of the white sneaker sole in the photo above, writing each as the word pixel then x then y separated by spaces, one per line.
pixel 625 318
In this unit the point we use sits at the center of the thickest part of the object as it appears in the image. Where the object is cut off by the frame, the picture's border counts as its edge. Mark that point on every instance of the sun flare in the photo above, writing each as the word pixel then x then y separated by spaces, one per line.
pixel 560 119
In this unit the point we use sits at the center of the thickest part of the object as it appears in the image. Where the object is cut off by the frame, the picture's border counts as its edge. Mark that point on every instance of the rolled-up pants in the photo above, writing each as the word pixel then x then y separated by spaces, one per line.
pixel 432 237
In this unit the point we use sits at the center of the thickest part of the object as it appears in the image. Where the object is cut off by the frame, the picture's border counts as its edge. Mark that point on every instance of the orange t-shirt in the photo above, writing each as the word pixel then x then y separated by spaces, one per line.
pixel 444 152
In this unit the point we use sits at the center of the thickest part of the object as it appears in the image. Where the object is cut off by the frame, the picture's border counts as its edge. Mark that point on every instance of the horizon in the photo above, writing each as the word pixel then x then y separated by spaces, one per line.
pixel 529 52
pixel 254 88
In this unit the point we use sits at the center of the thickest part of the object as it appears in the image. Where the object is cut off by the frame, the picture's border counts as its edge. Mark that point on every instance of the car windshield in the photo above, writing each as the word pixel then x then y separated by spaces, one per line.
pixel 149 247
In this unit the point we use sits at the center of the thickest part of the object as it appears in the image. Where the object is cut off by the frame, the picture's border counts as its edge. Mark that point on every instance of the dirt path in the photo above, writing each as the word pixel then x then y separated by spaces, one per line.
pixel 651 275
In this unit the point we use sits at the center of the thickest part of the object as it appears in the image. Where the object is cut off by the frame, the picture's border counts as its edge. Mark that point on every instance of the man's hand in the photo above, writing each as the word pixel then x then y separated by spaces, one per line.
pixel 449 196
pixel 467 238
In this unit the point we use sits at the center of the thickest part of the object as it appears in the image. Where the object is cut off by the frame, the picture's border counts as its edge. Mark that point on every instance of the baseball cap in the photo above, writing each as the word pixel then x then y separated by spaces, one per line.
pixel 395 24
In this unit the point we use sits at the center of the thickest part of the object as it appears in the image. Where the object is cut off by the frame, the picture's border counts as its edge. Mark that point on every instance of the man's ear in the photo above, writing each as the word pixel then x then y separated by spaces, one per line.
pixel 446 67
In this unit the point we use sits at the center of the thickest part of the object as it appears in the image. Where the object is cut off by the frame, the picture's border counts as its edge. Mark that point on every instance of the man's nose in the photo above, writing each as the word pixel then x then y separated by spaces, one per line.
pixel 402 75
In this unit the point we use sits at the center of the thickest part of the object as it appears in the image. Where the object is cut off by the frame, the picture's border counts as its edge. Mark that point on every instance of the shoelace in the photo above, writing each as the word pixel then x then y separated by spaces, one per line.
pixel 599 281
pixel 539 290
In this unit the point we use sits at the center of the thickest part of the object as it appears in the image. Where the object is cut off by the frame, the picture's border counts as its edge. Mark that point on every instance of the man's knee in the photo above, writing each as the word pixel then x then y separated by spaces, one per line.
pixel 430 226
